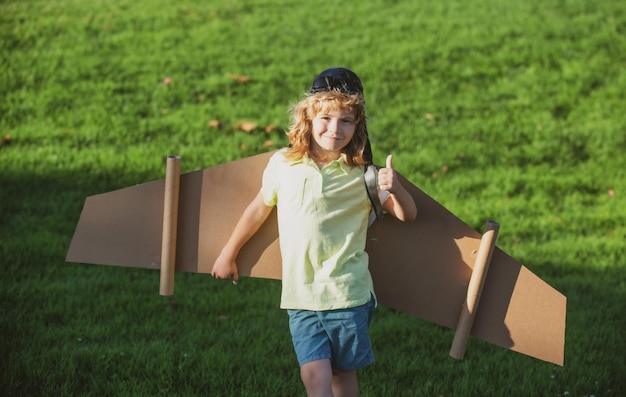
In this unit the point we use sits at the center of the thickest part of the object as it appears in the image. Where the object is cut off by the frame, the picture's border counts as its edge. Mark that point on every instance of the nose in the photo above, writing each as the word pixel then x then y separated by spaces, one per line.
pixel 333 125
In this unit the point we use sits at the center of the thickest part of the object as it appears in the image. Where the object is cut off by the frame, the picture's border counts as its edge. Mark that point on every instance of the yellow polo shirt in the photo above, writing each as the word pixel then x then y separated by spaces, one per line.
pixel 322 223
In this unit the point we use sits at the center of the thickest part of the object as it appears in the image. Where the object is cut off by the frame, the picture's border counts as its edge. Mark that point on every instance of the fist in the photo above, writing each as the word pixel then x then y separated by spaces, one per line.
pixel 387 179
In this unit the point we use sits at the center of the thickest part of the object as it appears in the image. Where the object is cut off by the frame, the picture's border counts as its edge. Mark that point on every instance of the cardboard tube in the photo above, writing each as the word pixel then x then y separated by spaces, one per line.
pixel 474 289
pixel 170 225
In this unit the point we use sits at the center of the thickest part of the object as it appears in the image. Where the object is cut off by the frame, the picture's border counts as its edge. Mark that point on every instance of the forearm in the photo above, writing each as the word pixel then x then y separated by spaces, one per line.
pixel 401 205
pixel 250 222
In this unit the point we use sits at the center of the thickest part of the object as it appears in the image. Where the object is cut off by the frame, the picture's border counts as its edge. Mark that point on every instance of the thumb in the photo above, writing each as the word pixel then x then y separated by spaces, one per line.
pixel 235 277
pixel 389 161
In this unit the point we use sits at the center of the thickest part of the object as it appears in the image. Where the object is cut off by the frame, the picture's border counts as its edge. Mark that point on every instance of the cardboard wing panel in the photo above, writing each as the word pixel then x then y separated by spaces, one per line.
pixel 226 192
pixel 421 268
pixel 520 311
pixel 122 228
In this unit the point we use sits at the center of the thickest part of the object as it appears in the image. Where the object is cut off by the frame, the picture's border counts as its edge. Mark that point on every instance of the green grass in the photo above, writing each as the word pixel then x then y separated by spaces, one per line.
pixel 512 111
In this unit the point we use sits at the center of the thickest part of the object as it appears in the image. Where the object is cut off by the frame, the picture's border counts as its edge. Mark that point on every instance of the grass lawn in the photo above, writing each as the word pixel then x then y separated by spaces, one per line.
pixel 512 111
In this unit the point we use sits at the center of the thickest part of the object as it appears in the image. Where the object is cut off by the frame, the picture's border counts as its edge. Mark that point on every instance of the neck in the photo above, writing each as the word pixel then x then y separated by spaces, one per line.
pixel 324 158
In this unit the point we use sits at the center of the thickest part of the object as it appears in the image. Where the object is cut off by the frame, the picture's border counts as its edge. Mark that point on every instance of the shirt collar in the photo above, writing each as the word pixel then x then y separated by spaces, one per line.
pixel 339 163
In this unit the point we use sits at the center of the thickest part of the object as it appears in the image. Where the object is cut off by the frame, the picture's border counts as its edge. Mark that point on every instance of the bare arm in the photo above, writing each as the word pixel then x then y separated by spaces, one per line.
pixel 400 203
pixel 253 217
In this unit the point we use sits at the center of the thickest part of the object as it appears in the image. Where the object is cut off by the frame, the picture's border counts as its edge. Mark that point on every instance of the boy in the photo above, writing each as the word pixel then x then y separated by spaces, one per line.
pixel 317 184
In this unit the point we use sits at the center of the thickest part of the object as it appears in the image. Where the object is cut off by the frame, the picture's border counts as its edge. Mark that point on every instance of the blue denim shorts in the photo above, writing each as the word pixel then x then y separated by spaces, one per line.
pixel 339 335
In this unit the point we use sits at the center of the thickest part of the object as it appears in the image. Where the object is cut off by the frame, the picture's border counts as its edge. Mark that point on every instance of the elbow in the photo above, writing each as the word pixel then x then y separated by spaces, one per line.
pixel 404 210
pixel 410 217
pixel 410 211
pixel 407 216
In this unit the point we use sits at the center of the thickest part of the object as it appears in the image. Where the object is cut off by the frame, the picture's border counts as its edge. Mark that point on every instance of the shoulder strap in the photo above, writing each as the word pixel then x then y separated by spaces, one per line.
pixel 372 189
pixel 371 178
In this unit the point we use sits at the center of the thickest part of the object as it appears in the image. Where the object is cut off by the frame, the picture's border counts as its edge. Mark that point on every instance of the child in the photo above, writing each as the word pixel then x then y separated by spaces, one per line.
pixel 323 209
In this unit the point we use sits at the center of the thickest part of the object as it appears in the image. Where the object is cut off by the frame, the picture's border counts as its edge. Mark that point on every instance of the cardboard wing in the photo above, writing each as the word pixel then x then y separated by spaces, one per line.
pixel 422 268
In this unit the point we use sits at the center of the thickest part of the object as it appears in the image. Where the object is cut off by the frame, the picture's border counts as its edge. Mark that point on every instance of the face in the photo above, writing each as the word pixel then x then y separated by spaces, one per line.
pixel 332 131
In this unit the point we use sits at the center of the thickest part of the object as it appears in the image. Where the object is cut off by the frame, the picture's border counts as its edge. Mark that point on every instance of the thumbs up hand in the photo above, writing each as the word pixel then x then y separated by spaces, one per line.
pixel 400 203
pixel 387 179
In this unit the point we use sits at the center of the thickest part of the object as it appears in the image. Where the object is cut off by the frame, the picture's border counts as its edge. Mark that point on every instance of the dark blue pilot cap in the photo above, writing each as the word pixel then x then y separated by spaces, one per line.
pixel 341 79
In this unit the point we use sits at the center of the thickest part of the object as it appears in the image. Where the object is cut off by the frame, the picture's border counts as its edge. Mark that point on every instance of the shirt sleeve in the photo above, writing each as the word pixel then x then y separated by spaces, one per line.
pixel 269 185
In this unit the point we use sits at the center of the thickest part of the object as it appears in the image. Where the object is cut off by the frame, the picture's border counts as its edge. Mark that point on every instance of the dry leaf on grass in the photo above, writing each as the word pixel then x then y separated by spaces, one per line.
pixel 239 77
pixel 214 124
pixel 270 128
pixel 247 126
